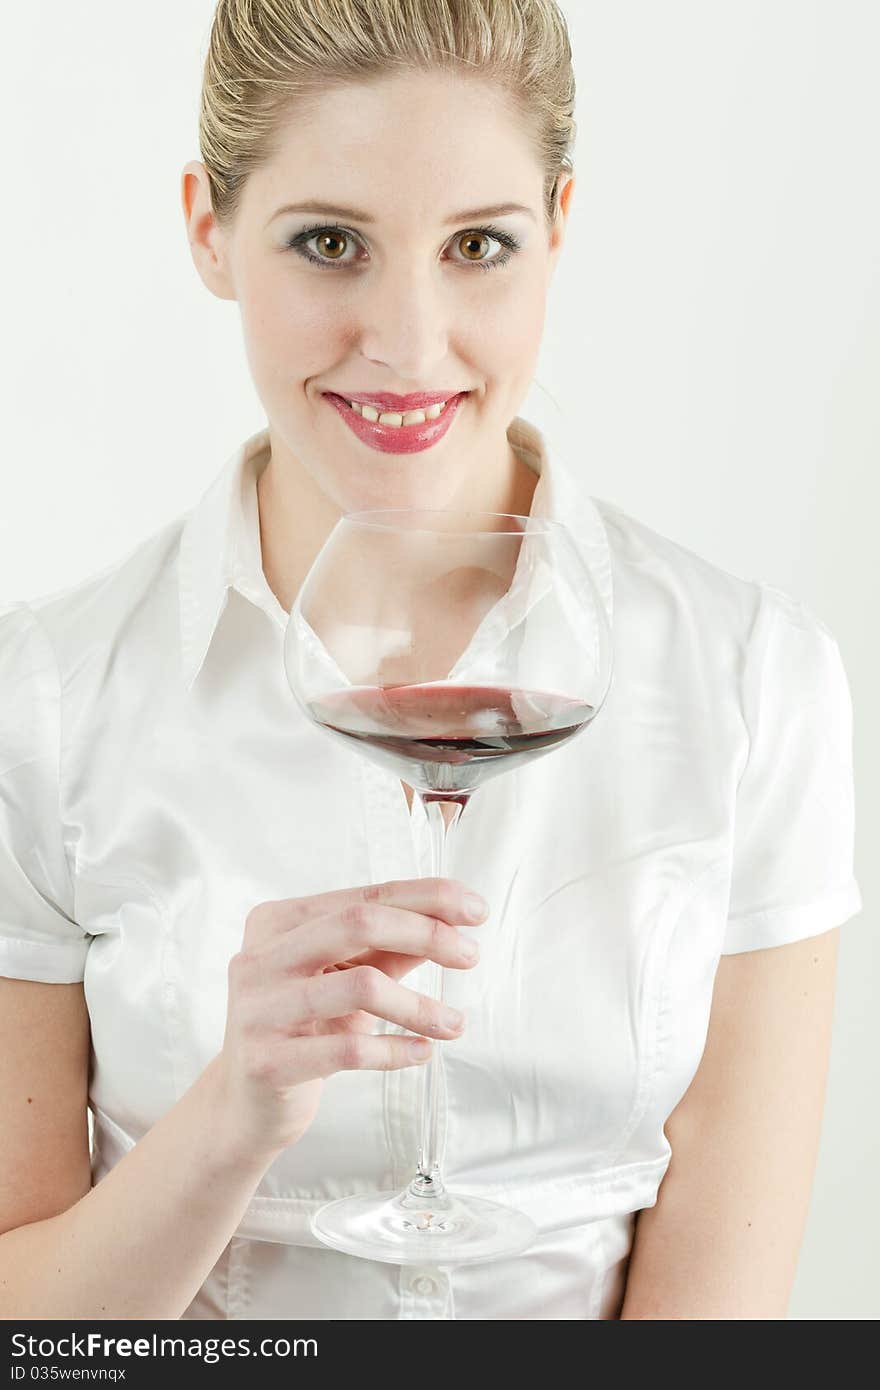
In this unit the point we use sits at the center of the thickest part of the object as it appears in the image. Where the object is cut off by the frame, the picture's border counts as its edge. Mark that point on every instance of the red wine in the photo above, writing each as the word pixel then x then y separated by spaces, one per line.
pixel 450 738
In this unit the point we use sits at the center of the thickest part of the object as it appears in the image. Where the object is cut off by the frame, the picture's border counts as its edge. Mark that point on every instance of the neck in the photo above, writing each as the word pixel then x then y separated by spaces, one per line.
pixel 296 516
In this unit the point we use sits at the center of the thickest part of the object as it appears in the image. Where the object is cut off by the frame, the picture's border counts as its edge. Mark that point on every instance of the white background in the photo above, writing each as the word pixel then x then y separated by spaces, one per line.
pixel 711 358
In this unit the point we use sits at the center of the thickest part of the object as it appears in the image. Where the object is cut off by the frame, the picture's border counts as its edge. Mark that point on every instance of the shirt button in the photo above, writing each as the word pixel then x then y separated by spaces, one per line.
pixel 423 1283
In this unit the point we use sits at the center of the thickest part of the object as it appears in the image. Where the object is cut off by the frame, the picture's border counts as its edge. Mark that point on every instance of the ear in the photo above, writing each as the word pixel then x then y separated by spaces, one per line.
pixel 565 188
pixel 565 192
pixel 207 242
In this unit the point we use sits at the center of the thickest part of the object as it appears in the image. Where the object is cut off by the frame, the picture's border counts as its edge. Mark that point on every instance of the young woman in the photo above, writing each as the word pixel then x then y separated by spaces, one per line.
pixel 383 191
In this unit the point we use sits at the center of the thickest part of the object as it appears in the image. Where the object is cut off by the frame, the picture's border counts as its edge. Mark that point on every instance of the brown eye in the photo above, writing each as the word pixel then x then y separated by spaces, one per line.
pixel 472 245
pixel 331 242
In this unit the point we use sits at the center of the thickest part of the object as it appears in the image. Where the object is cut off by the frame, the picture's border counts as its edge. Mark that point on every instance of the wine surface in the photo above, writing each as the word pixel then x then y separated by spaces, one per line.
pixel 450 738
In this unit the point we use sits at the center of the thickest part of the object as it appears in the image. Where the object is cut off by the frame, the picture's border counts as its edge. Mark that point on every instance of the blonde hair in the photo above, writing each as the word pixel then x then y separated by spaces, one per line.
pixel 268 57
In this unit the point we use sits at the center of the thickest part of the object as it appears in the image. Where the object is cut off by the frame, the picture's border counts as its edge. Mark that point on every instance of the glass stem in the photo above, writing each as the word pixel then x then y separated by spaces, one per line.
pixel 443 815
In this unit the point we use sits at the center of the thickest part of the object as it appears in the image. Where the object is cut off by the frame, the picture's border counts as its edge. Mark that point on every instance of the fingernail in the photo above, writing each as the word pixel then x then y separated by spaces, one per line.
pixel 420 1048
pixel 475 906
pixel 467 947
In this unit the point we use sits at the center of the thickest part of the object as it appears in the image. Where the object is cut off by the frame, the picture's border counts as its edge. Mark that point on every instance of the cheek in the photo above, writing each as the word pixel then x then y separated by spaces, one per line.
pixel 289 324
pixel 510 326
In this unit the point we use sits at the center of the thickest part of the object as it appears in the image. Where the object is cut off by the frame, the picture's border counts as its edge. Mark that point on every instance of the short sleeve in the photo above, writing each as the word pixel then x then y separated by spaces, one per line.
pixel 792 870
pixel 39 938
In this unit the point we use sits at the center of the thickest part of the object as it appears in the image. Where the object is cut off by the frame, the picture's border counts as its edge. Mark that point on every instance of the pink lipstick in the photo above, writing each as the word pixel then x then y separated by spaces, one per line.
pixel 398 439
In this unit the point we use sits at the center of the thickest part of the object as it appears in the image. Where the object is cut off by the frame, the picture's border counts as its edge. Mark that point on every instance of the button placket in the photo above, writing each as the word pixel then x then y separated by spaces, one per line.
pixel 426 1293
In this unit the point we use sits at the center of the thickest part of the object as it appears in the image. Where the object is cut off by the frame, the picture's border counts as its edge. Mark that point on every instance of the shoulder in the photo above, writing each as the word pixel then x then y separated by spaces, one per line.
pixel 97 612
pixel 650 567
pixel 641 549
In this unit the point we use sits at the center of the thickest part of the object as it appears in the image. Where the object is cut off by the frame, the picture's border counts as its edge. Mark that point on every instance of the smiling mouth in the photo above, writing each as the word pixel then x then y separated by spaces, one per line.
pixel 394 431
pixel 398 418
pixel 394 418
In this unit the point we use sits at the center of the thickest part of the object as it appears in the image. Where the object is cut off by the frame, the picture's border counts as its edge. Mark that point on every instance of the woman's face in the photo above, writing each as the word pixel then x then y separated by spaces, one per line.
pixel 387 282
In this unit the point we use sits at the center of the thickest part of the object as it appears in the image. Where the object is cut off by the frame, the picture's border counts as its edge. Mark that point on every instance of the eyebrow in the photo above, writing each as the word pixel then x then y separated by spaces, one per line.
pixel 356 215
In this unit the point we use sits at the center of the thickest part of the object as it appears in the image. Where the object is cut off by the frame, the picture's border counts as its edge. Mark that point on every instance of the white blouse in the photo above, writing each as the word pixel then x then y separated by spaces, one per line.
pixel 157 780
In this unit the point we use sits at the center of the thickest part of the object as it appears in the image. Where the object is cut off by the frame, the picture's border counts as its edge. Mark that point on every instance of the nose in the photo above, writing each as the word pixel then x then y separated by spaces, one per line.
pixel 403 324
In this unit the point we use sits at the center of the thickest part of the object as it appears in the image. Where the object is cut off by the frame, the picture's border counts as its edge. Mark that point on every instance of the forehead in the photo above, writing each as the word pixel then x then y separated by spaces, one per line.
pixel 437 133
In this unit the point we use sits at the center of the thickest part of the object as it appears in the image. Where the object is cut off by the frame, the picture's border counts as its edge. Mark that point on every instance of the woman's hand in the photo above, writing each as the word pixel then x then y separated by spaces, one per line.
pixel 311 978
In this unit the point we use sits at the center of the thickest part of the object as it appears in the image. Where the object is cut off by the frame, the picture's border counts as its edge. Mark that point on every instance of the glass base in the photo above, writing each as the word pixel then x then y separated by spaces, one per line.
pixel 401 1228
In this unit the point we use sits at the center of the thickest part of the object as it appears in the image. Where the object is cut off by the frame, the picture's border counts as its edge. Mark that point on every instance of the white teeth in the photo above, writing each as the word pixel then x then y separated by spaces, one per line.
pixel 392 417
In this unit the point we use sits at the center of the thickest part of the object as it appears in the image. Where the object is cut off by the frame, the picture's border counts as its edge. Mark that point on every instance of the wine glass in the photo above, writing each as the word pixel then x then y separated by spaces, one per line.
pixel 448 647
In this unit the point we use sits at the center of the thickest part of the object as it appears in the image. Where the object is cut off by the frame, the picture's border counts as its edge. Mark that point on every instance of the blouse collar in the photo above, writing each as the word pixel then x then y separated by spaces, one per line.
pixel 220 544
